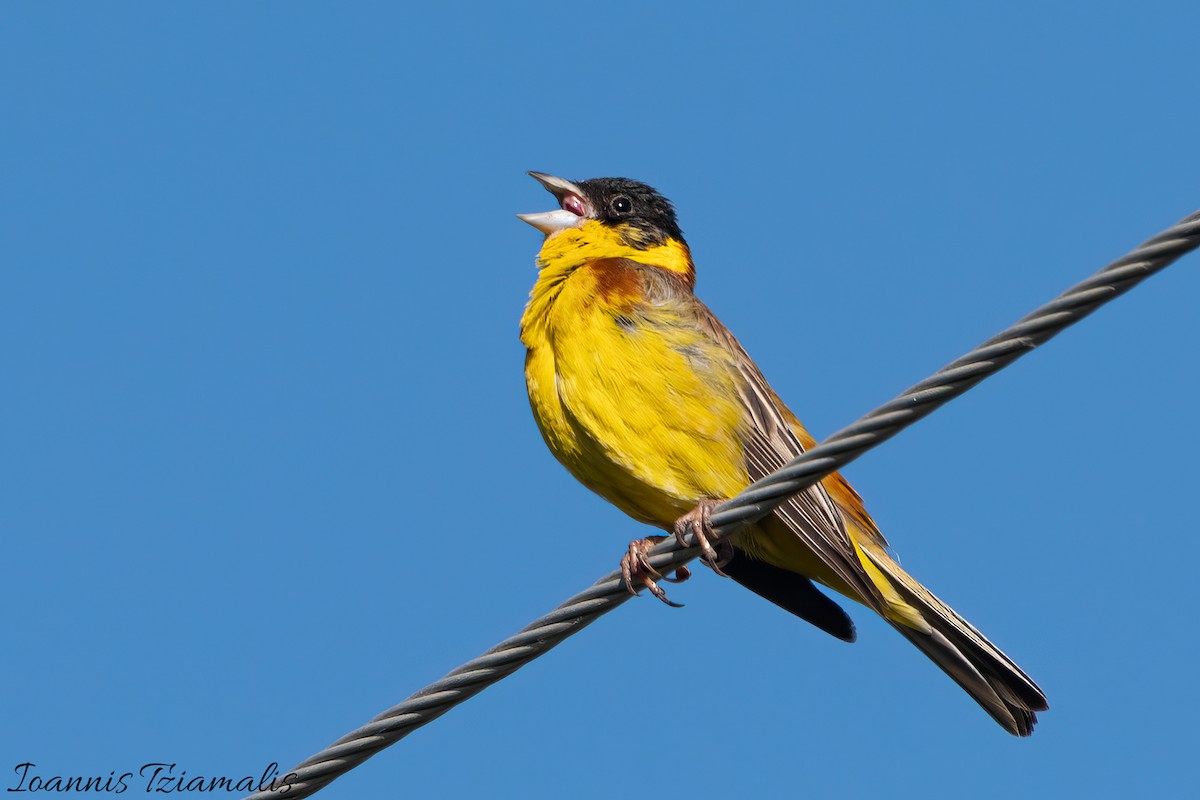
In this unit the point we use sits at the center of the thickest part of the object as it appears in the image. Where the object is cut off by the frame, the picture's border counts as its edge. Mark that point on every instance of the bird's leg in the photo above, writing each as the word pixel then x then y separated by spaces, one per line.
pixel 724 556
pixel 699 520
pixel 636 569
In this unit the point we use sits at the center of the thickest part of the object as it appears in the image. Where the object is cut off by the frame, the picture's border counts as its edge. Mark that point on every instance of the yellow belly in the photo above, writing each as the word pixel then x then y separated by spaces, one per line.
pixel 640 407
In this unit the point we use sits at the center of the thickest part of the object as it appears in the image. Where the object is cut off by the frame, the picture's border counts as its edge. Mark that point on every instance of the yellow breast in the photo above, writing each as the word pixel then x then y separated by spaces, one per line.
pixel 630 395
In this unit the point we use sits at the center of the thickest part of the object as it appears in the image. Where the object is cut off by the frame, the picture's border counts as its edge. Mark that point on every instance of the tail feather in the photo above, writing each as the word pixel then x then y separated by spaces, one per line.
pixel 962 652
pixel 990 694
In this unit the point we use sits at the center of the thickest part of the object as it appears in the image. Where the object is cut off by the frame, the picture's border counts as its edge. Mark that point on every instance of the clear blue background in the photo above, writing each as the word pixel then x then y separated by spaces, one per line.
pixel 267 465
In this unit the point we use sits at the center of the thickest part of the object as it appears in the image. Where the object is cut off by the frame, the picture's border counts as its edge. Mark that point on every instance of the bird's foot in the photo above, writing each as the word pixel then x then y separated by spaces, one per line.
pixel 638 573
pixel 699 520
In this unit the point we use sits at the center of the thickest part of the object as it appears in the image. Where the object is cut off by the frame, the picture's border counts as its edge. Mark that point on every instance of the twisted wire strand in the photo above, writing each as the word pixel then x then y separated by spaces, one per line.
pixel 755 502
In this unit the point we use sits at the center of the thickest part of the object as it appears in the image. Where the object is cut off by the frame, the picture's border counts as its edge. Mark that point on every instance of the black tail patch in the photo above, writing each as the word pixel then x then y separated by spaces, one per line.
pixel 792 592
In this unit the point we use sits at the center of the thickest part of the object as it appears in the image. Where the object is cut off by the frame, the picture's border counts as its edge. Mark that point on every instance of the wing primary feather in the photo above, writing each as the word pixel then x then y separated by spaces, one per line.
pixel 792 592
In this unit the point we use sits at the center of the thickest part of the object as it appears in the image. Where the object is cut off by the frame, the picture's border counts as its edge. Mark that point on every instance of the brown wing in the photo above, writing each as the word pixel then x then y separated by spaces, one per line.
pixel 769 442
pixel 839 489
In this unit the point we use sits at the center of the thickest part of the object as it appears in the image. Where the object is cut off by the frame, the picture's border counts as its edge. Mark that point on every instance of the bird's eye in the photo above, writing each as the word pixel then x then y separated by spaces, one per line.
pixel 622 204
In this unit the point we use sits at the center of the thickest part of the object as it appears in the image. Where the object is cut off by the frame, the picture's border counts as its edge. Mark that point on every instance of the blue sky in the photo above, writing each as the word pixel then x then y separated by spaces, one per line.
pixel 267 465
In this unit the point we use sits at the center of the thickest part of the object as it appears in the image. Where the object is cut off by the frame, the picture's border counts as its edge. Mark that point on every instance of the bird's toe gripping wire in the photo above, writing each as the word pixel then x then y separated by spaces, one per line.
pixel 699 521
pixel 638 573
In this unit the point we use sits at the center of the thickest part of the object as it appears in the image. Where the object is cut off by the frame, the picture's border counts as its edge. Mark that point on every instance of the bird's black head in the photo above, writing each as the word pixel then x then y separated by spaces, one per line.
pixel 621 201
pixel 638 215
pixel 606 218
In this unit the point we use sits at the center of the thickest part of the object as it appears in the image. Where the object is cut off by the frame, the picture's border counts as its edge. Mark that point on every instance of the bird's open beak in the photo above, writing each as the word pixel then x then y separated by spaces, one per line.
pixel 573 206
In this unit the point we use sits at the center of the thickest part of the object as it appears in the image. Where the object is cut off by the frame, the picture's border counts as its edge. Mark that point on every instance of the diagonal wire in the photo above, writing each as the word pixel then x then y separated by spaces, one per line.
pixel 755 502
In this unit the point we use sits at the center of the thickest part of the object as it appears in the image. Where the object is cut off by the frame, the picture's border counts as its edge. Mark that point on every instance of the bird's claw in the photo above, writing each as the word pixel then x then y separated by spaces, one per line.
pixel 699 520
pixel 636 569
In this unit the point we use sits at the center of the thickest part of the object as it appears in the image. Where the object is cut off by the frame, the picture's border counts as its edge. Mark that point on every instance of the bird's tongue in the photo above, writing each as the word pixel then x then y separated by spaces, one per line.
pixel 574 203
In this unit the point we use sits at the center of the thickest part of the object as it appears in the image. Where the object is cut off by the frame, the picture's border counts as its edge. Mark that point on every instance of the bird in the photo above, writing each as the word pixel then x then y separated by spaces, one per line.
pixel 650 401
